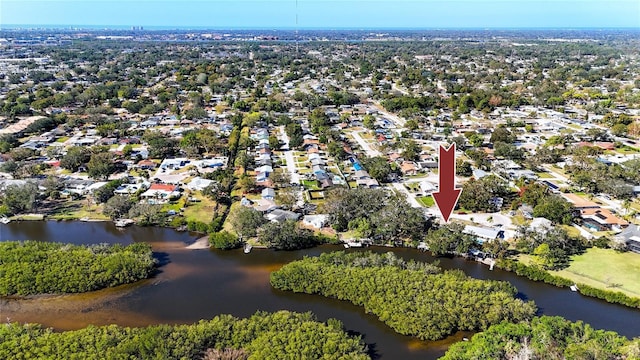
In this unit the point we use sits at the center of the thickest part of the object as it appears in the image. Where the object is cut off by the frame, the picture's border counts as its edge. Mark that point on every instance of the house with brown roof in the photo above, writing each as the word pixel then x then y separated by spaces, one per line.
pixel 394 156
pixel 579 202
pixel 602 219
pixel 146 165
pixel 605 145
pixel 408 168
pixel 593 216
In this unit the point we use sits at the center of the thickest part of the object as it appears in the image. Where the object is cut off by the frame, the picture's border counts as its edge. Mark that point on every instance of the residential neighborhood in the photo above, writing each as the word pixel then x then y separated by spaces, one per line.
pixel 320 179
pixel 203 130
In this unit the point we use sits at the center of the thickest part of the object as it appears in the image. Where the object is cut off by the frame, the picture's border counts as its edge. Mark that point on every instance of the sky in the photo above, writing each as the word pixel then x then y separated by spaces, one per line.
pixel 353 14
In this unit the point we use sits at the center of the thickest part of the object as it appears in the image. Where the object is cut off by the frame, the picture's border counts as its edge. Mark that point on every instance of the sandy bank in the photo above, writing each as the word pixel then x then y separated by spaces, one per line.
pixel 202 243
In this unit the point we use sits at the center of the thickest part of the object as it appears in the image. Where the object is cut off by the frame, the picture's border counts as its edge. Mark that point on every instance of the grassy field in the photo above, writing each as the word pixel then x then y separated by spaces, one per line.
pixel 544 175
pixel 227 225
pixel 625 150
pixel 571 230
pixel 200 211
pixel 74 210
pixel 426 201
pixel 606 269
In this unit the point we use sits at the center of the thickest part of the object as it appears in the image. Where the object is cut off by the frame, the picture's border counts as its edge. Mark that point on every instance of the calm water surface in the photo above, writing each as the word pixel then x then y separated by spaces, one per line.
pixel 199 284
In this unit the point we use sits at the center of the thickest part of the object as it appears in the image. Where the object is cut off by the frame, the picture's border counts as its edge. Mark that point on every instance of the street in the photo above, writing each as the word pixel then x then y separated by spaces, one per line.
pixel 288 155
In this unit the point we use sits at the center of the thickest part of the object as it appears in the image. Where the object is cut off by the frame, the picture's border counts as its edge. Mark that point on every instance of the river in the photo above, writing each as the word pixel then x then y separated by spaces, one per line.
pixel 199 284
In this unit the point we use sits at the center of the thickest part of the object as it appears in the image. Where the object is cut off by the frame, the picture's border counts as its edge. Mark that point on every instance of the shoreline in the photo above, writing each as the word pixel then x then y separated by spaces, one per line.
pixel 542 276
pixel 200 244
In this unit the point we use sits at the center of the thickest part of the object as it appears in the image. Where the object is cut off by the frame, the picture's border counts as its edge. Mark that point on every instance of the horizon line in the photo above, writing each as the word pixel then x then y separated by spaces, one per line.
pixel 334 28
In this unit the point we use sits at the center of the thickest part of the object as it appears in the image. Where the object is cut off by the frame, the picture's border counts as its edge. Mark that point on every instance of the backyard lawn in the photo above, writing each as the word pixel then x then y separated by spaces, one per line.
pixel 74 210
pixel 606 269
pixel 310 184
pixel 200 211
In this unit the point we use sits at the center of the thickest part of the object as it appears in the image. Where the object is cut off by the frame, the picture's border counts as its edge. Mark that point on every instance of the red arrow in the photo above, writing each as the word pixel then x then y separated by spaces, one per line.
pixel 447 195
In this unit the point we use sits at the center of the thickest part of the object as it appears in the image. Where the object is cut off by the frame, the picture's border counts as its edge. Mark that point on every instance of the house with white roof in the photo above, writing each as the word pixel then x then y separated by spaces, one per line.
pixel 315 221
pixel 198 184
pixel 483 234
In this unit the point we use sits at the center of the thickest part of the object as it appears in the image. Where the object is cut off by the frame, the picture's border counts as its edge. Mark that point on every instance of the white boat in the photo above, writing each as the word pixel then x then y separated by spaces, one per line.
pixel 5 220
pixel 356 244
pixel 84 219
pixel 247 248
pixel 123 222
pixel 573 287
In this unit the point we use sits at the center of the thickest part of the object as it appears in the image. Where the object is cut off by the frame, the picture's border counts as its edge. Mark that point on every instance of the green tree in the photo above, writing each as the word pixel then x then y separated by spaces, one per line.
pixel 148 214
pixel 20 154
pixel 190 143
pixel 105 193
pixel 478 194
pixel 619 130
pixel 411 125
pixel 507 151
pixel 378 167
pixel 245 221
pixel 7 142
pixel 274 143
pixel 286 235
pixel 463 168
pixel 502 134
pixel 52 185
pixel 476 139
pixel 117 206
pixel 411 150
pixel 20 198
pixel 208 140
pixel 224 240
pixel 66 268
pixel 544 338
pixel 449 239
pixel 294 132
pixel 101 165
pixel 160 146
pixel 413 298
pixel 75 157
pixel 544 256
pixel 554 208
pixel 369 122
pixel 336 150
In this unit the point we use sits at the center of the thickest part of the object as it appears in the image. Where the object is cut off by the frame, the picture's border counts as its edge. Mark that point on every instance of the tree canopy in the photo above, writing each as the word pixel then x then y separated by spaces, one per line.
pixel 18 199
pixel 545 338
pixel 411 297
pixel 35 267
pixel 279 335
pixel 388 216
